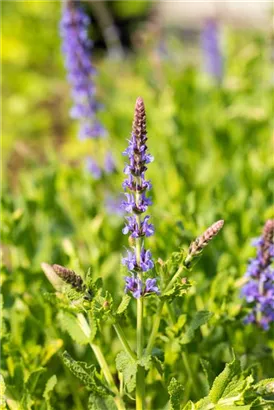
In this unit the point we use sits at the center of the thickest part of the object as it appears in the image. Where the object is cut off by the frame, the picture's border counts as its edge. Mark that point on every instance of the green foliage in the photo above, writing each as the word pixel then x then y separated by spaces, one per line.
pixel 128 367
pixel 87 374
pixel 211 144
pixel 199 319
pixel 51 383
pixel 101 403
pixel 175 391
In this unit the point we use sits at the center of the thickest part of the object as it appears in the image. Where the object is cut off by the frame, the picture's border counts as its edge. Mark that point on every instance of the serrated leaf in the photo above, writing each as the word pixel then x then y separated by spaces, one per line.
pixel 189 406
pixel 123 305
pixel 175 391
pixel 69 323
pixel 51 383
pixel 265 386
pixel 128 367
pixel 199 319
pixel 226 381
pixel 101 403
pixel 204 404
pixel 145 362
pixel 178 290
pixel 87 374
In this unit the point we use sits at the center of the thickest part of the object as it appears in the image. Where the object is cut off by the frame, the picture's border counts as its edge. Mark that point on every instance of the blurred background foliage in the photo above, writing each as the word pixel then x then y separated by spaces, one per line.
pixel 213 149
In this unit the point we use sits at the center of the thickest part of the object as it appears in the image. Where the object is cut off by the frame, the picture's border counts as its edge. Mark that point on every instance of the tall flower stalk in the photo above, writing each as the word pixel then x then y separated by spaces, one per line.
pixel 259 289
pixel 138 260
pixel 77 50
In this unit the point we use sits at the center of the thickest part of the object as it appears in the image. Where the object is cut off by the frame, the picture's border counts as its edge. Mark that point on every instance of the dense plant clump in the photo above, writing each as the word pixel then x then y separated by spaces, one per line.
pixel 259 289
pixel 171 322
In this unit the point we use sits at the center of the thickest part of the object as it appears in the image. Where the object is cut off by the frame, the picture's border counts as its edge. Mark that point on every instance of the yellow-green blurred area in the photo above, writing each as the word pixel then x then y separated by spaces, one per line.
pixel 211 140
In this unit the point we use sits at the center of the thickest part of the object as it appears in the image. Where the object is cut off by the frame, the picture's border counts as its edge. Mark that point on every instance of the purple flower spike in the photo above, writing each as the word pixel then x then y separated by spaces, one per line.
pixel 259 290
pixel 136 203
pixel 210 42
pixel 77 50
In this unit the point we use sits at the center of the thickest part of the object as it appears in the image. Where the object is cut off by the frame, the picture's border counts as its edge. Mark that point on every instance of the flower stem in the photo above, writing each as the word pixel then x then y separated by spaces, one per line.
pixel 157 319
pixel 140 377
pixel 123 340
pixel 102 362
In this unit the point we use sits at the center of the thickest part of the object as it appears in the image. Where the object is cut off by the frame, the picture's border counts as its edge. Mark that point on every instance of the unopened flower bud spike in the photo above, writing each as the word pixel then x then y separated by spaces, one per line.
pixel 202 241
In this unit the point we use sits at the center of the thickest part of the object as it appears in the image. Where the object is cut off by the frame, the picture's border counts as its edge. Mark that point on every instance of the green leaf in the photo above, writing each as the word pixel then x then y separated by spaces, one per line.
pixel 51 383
pixel 265 386
pixel 33 379
pixel 123 305
pixel 96 402
pixel 232 407
pixel 199 319
pixel 226 381
pixel 87 374
pixel 69 323
pixel 2 393
pixel 145 362
pixel 189 406
pixel 128 367
pixel 207 368
pixel 179 289
pixel 175 391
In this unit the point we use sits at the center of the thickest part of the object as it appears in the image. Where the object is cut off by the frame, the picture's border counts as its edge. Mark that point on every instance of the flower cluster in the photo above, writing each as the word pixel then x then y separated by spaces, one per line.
pixel 77 50
pixel 259 289
pixel 213 61
pixel 139 260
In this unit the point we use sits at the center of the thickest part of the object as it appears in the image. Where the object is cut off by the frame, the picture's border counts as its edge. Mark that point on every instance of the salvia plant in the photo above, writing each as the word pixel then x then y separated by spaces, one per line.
pixel 77 46
pixel 259 289
pixel 85 306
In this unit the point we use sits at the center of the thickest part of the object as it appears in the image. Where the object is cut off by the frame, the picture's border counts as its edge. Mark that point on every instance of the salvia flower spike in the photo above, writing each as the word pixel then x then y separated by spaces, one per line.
pixel 259 290
pixel 139 260
pixel 70 277
pixel 212 53
pixel 77 50
pixel 202 241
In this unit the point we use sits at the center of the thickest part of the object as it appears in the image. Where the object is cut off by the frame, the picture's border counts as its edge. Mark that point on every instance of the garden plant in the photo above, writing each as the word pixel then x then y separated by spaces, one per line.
pixel 137 267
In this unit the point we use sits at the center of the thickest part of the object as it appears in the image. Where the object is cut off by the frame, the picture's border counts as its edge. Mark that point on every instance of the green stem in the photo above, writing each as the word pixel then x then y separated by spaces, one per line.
pixel 123 340
pixel 102 362
pixel 188 368
pixel 155 327
pixel 140 376
pixel 157 318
